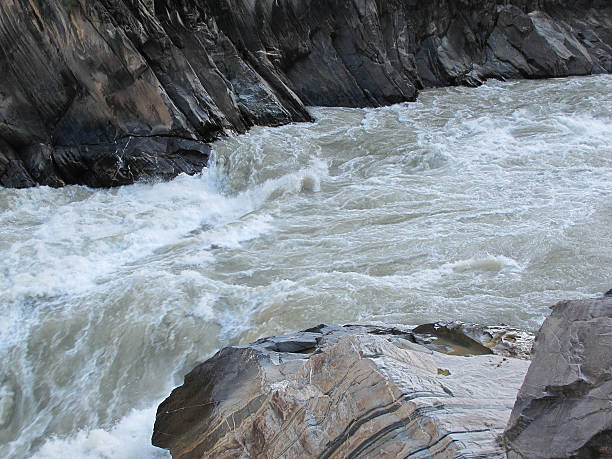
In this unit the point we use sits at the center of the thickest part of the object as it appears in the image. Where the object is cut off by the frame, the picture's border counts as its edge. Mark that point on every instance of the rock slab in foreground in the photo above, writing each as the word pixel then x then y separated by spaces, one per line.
pixel 340 392
pixel 564 408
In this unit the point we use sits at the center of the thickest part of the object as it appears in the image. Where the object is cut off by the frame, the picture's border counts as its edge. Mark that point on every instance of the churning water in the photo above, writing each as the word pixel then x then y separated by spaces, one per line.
pixel 484 205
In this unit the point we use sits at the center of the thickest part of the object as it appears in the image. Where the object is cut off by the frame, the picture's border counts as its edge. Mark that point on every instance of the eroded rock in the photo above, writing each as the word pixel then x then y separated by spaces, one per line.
pixel 459 338
pixel 106 92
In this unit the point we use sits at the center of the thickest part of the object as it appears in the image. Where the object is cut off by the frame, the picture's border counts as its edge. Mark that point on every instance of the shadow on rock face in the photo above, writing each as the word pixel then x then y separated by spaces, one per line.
pixel 447 340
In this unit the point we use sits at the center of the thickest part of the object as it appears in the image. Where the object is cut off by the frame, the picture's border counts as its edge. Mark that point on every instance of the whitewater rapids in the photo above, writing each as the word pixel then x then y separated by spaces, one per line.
pixel 483 205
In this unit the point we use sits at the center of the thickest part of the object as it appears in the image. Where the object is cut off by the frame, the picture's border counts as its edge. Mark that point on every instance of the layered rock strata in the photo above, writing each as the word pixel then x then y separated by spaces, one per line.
pixel 352 391
pixel 564 408
pixel 106 92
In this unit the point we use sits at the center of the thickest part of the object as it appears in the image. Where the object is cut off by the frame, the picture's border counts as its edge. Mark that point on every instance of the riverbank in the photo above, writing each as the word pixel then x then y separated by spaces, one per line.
pixel 105 93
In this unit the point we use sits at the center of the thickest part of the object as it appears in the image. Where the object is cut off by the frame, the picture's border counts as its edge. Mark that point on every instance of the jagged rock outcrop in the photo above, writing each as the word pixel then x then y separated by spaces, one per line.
pixel 564 408
pixel 353 391
pixel 106 92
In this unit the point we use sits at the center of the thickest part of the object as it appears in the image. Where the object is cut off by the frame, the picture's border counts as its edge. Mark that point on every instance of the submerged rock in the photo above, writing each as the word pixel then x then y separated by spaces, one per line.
pixel 564 408
pixel 105 92
pixel 340 391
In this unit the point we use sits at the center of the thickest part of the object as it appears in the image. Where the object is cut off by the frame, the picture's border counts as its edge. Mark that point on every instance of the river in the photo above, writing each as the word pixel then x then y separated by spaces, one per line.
pixel 484 205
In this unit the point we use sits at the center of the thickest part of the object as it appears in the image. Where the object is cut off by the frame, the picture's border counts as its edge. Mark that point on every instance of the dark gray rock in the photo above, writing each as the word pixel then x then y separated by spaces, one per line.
pixel 129 160
pixel 77 82
pixel 564 408
pixel 13 172
pixel 538 46
pixel 108 92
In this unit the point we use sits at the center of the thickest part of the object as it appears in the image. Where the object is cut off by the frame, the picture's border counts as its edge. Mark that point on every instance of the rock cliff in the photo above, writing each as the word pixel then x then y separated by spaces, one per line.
pixel 106 92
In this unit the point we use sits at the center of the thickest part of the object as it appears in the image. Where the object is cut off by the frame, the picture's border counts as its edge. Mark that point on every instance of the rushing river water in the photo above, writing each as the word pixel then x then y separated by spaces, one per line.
pixel 484 205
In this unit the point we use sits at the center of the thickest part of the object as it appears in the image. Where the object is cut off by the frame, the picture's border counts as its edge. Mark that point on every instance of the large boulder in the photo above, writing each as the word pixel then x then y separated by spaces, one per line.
pixel 343 392
pixel 564 408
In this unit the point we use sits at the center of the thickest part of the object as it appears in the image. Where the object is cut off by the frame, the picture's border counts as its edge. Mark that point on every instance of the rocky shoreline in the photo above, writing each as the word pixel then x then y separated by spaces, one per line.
pixel 108 92
pixel 438 390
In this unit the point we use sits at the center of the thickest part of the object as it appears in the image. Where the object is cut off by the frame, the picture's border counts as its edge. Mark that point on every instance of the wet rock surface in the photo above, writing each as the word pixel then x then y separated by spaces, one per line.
pixel 459 338
pixel 106 92
pixel 354 391
pixel 564 408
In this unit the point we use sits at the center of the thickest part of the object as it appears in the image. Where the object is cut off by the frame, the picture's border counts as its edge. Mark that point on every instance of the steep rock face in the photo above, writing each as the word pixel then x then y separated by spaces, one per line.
pixel 369 53
pixel 106 92
pixel 332 391
pixel 564 408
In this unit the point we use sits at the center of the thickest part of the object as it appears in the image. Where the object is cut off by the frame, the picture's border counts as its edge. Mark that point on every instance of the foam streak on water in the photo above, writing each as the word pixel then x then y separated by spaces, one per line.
pixel 485 204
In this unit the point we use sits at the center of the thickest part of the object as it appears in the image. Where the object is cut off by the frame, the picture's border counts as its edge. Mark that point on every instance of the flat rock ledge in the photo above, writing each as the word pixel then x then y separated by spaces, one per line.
pixel 352 391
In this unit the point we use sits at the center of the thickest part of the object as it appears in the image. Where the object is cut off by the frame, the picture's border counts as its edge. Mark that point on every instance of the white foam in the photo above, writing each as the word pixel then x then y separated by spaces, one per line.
pixel 371 120
pixel 7 402
pixel 487 265
pixel 204 307
pixel 130 438
pixel 76 243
